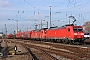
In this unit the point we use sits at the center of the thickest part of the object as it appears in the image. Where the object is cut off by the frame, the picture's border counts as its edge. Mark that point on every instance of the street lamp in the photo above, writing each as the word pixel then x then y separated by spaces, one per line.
pixel 16 21
pixel 5 31
pixel 50 16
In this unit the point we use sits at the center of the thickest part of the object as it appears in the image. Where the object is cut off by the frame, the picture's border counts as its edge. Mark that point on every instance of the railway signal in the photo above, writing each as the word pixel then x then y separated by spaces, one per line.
pixel 15 49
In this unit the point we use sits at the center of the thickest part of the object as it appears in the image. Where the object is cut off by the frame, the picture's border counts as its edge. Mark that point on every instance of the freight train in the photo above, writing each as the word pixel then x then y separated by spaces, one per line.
pixel 65 34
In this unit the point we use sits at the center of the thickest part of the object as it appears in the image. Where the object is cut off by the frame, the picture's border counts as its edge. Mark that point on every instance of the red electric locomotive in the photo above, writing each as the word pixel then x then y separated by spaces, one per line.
pixel 42 34
pixel 38 34
pixel 35 34
pixel 10 36
pixel 19 35
pixel 29 34
pixel 67 33
pixel 22 35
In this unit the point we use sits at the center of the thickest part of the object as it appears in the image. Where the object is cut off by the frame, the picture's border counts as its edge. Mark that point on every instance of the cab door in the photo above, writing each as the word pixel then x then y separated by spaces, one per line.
pixel 68 33
pixel 43 33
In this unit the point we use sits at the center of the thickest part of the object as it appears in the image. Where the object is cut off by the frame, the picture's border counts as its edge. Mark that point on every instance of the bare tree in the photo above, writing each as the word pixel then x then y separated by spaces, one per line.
pixel 86 26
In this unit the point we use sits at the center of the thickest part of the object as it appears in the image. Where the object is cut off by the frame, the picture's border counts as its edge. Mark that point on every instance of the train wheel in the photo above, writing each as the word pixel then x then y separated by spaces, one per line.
pixel 60 41
pixel 63 41
pixel 82 42
pixel 72 42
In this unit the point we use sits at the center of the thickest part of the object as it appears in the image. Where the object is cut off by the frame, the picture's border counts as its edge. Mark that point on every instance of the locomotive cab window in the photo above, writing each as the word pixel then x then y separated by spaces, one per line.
pixel 78 29
pixel 68 29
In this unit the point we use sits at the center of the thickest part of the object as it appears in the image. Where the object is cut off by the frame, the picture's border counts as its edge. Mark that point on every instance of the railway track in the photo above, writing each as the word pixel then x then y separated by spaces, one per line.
pixel 32 56
pixel 43 51
pixel 67 51
pixel 4 51
pixel 62 52
pixel 28 52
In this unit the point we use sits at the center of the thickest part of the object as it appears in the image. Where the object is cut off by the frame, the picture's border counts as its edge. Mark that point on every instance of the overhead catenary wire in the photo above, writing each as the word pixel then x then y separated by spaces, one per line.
pixel 7 4
pixel 44 5
pixel 10 5
pixel 72 2
pixel 67 8
pixel 34 6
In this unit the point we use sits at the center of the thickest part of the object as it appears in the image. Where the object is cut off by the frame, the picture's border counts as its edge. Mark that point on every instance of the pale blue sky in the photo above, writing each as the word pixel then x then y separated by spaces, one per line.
pixel 26 11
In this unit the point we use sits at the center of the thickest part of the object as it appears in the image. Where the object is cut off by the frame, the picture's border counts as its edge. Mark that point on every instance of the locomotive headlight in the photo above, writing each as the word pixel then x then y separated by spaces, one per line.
pixel 82 33
pixel 75 33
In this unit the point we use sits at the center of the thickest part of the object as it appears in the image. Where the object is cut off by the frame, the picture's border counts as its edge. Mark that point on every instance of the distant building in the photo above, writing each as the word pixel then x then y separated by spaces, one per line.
pixel 1 34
